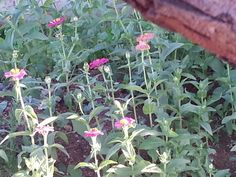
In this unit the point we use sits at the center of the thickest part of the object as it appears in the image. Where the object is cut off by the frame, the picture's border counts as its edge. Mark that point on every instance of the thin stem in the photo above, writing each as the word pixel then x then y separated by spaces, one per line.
pixel 18 90
pixel 50 100
pixel 112 88
pixel 67 82
pixel 80 108
pixel 91 95
pixel 46 152
pixel 117 16
pixel 120 21
pixel 147 87
pixel 180 116
pixel 230 88
pixel 132 93
pixel 90 91
pixel 138 18
pixel 105 80
pixel 164 175
pixel 94 144
pixel 144 71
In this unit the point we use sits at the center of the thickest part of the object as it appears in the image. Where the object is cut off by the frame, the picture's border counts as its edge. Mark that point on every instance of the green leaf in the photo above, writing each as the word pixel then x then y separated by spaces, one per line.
pixel 74 172
pixel 60 147
pixel 233 148
pixel 151 143
pixel 178 164
pixel 61 135
pixel 73 116
pixel 21 174
pixel 30 111
pixel 120 170
pixel 113 150
pixel 169 49
pixel 96 112
pixel 37 35
pixel 18 114
pixel 48 121
pixel 134 88
pixel 85 164
pixel 80 126
pixel 229 118
pixel 106 163
pixel 171 133
pixel 152 168
pixel 3 106
pixel 15 134
pixel 3 155
pixel 149 107
pixel 222 173
pixel 207 127
pixel 135 133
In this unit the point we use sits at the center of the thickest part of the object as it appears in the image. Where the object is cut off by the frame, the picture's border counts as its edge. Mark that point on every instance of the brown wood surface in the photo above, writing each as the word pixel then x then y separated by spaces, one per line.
pixel 209 23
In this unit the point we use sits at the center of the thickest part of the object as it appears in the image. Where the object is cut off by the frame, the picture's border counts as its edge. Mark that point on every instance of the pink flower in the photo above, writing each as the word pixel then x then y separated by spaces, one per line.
pixel 124 122
pixel 146 37
pixel 98 62
pixel 44 130
pixel 56 22
pixel 93 132
pixel 15 74
pixel 142 46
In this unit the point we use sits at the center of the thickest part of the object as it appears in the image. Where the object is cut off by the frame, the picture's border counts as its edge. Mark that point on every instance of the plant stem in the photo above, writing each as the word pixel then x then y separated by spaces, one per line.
pixel 50 100
pixel 144 71
pixel 120 21
pixel 180 116
pixel 90 90
pixel 112 88
pixel 105 80
pixel 46 152
pixel 91 95
pixel 94 144
pixel 18 91
pixel 164 175
pixel 230 88
pixel 132 93
pixel 117 16
pixel 147 87
pixel 80 108
pixel 67 83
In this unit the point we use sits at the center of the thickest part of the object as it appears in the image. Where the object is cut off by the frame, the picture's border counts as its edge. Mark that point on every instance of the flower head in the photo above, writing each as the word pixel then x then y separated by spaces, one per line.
pixel 93 132
pixel 146 37
pixel 15 74
pixel 56 22
pixel 98 62
pixel 124 122
pixel 44 130
pixel 142 46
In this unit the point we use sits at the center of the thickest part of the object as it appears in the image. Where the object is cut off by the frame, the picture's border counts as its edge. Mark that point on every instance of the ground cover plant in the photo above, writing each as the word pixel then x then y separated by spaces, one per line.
pixel 95 90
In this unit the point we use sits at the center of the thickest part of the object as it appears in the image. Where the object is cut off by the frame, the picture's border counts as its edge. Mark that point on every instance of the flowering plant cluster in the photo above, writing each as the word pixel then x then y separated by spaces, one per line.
pixel 56 22
pixel 143 41
pixel 15 74
pixel 124 114
pixel 124 122
pixel 95 64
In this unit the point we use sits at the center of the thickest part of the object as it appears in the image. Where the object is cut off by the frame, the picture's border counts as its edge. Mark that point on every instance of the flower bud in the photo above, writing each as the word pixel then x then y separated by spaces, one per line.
pixel 48 80
pixel 15 54
pixel 75 19
pixel 127 55
pixel 86 67
pixel 107 69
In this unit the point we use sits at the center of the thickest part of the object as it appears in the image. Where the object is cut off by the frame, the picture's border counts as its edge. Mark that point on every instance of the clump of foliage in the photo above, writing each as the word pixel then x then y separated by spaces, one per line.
pixel 162 95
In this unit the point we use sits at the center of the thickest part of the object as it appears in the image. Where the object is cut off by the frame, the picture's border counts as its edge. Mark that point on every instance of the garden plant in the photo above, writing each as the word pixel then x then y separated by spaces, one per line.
pixel 96 82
